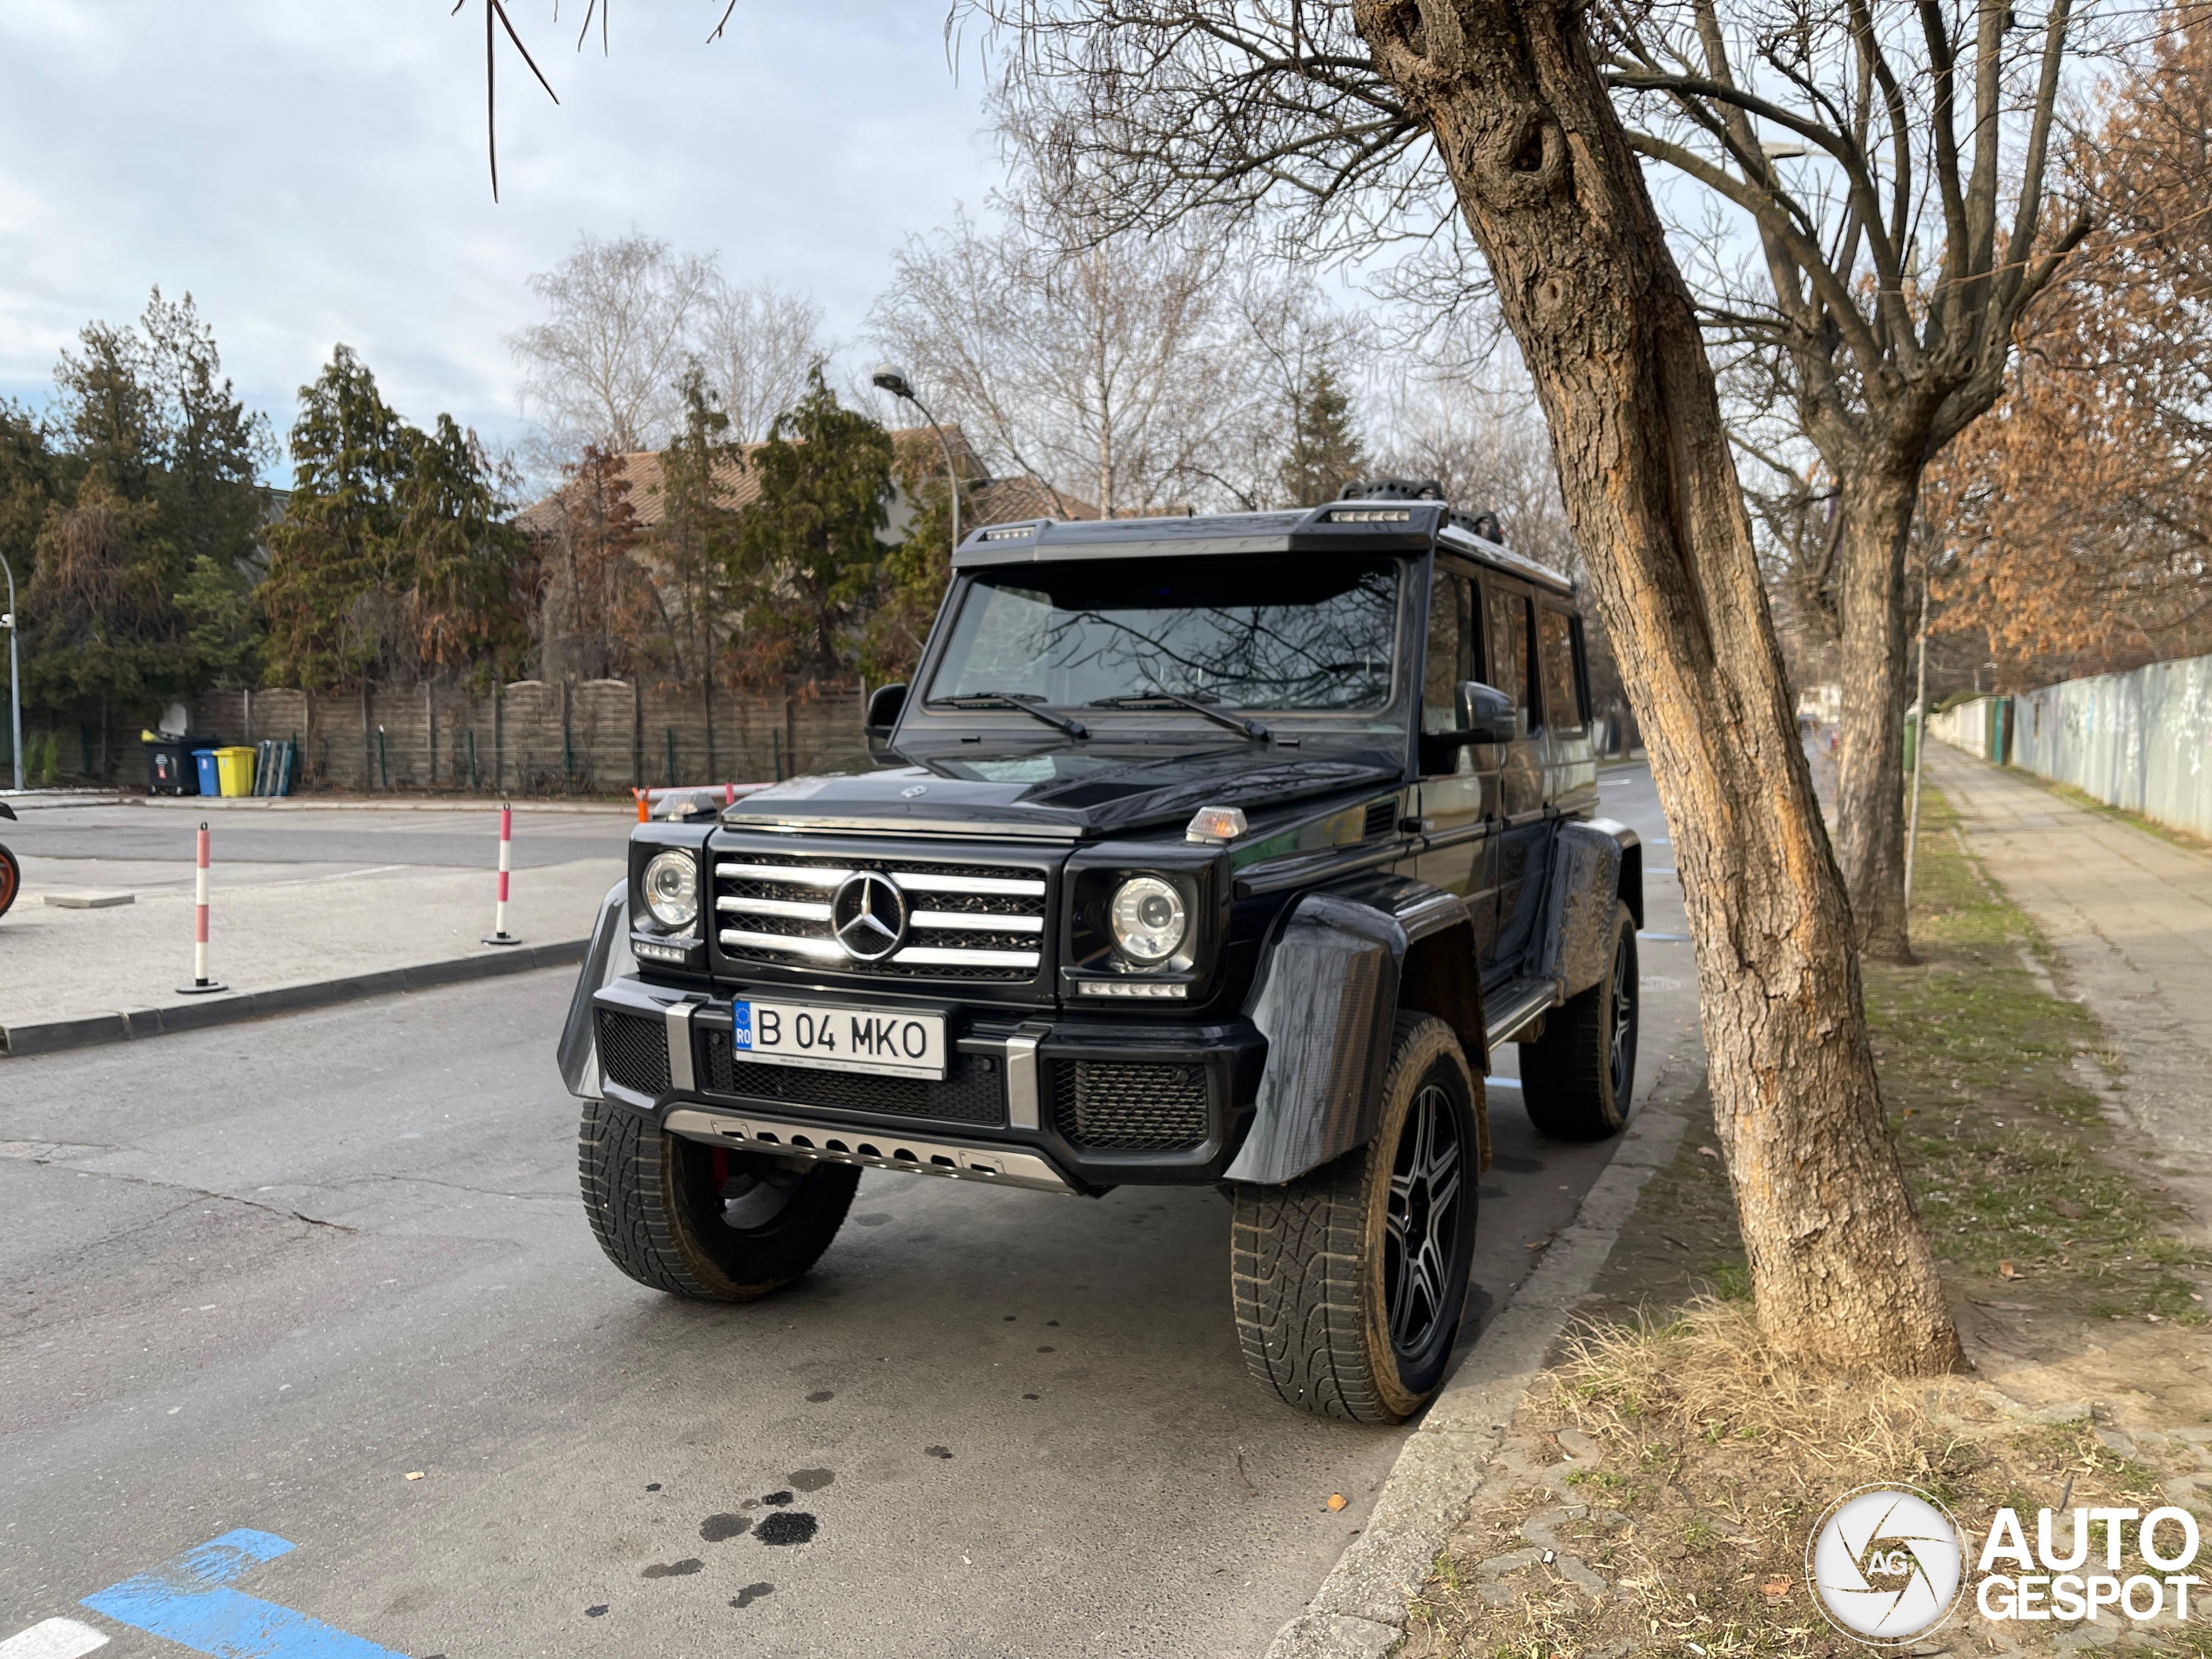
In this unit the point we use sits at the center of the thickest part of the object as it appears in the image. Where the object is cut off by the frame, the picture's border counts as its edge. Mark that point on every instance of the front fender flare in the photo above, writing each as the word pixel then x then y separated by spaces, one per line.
pixel 606 960
pixel 1326 1001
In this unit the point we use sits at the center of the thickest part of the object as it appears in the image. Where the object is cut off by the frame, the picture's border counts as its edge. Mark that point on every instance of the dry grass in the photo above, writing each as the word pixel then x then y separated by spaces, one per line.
pixel 1700 1459
pixel 1708 1459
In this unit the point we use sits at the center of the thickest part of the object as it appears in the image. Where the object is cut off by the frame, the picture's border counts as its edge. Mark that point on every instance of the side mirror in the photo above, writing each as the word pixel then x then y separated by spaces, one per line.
pixel 1487 714
pixel 885 705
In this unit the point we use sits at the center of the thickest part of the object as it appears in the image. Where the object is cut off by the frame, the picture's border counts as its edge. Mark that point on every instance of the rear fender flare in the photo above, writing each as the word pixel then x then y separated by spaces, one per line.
pixel 1597 864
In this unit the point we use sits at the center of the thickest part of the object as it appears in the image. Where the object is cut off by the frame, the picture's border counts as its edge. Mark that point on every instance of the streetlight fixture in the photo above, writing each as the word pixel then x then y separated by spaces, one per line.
pixel 890 380
pixel 15 687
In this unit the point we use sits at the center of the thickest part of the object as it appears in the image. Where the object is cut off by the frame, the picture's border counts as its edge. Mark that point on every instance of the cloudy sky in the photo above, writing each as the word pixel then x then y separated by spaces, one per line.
pixel 315 173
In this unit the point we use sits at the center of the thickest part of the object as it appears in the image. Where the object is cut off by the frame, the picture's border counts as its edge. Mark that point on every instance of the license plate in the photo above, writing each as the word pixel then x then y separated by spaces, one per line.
pixel 831 1039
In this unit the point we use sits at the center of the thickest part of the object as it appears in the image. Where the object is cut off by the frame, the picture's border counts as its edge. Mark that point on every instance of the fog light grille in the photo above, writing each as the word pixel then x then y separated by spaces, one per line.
pixel 633 1048
pixel 1130 1108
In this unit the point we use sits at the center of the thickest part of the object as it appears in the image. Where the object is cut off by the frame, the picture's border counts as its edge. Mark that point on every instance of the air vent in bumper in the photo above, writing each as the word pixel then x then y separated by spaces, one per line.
pixel 1106 1105
pixel 974 1090
pixel 633 1050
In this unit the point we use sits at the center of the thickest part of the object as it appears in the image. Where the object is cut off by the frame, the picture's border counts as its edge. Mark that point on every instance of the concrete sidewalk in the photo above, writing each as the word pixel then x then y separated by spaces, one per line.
pixel 2130 915
pixel 71 976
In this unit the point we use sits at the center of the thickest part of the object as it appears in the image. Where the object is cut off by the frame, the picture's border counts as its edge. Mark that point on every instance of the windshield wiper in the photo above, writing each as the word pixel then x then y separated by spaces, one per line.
pixel 1008 700
pixel 1251 729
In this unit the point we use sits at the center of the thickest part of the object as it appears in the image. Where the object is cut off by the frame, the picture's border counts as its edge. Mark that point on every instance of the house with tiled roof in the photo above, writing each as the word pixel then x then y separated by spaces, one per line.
pixel 984 500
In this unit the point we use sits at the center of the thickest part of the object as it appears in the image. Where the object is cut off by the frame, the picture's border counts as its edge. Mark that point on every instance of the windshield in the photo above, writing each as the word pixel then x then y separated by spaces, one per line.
pixel 1249 631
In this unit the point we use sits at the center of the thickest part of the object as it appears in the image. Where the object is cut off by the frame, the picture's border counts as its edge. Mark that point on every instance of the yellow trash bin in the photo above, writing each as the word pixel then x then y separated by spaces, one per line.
pixel 234 771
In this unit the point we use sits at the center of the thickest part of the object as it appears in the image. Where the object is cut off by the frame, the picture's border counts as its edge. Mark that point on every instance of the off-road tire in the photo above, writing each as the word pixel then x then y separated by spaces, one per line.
pixel 655 1203
pixel 1307 1259
pixel 10 879
pixel 1578 1078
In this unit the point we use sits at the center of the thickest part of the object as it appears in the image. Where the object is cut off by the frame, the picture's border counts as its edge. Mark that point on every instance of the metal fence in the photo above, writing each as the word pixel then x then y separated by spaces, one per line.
pixel 2142 741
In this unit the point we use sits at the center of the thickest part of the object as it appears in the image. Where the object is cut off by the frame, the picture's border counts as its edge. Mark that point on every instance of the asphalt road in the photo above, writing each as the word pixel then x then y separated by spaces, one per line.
pixel 162 835
pixel 257 1276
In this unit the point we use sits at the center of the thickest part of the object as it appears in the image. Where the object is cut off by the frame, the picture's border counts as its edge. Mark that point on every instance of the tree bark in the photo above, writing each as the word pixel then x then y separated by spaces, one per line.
pixel 1840 1269
pixel 1876 507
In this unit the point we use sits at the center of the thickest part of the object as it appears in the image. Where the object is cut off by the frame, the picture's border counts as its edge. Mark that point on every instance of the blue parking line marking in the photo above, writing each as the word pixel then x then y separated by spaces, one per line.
pixel 188 1600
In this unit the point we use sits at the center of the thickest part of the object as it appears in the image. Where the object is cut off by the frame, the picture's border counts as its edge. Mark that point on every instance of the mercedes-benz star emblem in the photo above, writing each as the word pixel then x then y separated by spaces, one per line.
pixel 869 916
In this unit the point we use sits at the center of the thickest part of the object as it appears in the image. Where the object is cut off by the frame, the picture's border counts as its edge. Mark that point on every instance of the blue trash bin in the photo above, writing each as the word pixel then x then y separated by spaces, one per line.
pixel 203 762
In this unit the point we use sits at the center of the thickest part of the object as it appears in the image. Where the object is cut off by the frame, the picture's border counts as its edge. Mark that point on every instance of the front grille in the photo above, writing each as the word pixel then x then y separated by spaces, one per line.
pixel 633 1048
pixel 973 1091
pixel 964 921
pixel 1131 1107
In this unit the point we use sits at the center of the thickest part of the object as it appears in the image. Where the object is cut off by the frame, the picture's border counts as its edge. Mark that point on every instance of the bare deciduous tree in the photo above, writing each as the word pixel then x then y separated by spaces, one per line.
pixel 757 344
pixel 1480 436
pixel 1890 156
pixel 605 366
pixel 1354 113
pixel 1106 366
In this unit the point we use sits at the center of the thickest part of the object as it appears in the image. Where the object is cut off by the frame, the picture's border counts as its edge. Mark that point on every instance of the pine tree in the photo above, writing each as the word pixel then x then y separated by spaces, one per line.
pixel 695 542
pixel 914 574
pixel 331 557
pixel 1325 449
pixel 807 547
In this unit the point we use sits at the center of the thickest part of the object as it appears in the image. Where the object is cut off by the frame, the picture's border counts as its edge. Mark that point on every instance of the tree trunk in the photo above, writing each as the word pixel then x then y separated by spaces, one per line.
pixel 1841 1271
pixel 1877 503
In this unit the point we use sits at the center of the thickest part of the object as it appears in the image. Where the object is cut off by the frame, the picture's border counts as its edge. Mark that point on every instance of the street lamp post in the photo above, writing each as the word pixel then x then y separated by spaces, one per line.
pixel 15 687
pixel 890 380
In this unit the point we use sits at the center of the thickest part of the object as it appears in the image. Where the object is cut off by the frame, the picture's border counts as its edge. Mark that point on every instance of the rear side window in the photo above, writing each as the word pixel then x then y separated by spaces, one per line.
pixel 1556 660
pixel 1509 648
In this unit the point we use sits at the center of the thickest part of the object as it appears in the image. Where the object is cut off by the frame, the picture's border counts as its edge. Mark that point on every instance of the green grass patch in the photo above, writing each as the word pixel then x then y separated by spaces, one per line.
pixel 2007 1152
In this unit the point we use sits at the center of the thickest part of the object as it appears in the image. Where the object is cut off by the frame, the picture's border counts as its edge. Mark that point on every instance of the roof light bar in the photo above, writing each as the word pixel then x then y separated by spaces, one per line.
pixel 1371 516
pixel 1012 533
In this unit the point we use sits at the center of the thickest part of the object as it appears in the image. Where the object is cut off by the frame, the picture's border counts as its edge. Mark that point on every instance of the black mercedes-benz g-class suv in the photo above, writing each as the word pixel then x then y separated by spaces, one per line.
pixel 1217 850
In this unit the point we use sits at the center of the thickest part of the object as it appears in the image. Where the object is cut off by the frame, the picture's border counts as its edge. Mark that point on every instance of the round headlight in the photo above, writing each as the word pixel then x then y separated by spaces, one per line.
pixel 1148 919
pixel 672 889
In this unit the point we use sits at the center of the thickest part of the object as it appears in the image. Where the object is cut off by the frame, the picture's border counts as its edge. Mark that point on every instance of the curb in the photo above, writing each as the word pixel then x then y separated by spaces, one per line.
pixel 1360 1611
pixel 52 1036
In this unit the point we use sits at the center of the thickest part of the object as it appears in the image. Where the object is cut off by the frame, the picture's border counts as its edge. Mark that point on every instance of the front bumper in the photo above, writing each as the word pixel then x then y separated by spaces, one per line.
pixel 1043 1101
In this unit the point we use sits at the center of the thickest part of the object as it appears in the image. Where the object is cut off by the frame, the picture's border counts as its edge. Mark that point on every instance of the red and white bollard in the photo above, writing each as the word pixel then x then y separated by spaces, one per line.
pixel 201 983
pixel 499 935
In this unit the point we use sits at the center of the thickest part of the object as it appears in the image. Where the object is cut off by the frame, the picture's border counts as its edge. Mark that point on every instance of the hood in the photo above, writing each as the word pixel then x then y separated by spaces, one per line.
pixel 1057 795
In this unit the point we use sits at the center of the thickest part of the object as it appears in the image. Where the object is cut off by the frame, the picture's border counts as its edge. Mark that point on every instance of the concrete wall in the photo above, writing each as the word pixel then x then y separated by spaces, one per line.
pixel 2140 740
pixel 540 738
pixel 1977 727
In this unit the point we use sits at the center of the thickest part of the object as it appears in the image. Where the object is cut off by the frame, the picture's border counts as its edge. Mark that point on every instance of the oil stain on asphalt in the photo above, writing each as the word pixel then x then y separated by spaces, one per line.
pixel 716 1528
pixel 750 1594
pixel 787 1526
pixel 673 1570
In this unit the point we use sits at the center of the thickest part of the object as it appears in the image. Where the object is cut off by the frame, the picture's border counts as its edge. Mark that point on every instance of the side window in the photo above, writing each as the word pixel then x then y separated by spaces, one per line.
pixel 1509 648
pixel 1556 658
pixel 1451 650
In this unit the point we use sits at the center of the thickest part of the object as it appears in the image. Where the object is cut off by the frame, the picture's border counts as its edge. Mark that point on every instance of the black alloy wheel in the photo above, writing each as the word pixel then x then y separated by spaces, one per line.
pixel 1349 1281
pixel 1427 1187
pixel 1578 1079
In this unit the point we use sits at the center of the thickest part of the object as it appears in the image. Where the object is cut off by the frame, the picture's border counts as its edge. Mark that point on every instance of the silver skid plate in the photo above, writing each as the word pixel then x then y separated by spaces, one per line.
pixel 872 1149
